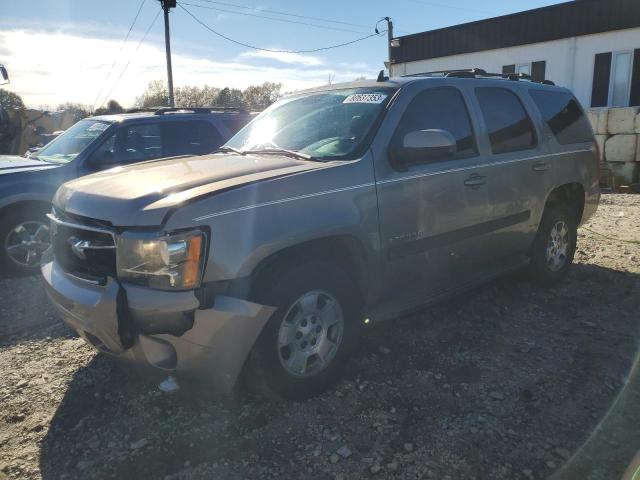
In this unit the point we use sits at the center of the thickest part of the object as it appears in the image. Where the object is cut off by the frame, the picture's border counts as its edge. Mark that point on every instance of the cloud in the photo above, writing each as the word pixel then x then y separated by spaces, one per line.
pixel 50 68
pixel 290 58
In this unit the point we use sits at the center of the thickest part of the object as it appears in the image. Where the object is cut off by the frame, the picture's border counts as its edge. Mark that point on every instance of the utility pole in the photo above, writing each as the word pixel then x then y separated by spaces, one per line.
pixel 389 38
pixel 390 42
pixel 166 6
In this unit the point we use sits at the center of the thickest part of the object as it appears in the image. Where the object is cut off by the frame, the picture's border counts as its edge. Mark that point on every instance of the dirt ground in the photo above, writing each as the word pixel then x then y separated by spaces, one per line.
pixel 509 381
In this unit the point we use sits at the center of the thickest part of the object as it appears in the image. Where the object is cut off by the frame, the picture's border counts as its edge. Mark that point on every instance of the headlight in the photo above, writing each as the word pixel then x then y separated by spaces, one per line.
pixel 172 261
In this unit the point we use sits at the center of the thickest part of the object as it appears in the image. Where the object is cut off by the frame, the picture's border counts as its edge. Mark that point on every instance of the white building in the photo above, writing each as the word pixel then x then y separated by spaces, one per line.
pixel 589 46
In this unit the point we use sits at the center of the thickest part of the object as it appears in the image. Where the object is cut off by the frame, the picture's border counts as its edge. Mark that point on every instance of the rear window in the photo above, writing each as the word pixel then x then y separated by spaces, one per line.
pixel 564 116
pixel 509 127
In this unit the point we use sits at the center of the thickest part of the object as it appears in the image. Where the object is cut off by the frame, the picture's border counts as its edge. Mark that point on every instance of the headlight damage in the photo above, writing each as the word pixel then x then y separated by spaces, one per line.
pixel 172 261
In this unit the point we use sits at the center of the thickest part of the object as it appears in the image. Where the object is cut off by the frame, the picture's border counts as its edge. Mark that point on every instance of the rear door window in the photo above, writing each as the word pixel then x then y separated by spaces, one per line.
pixel 141 142
pixel 563 115
pixel 192 137
pixel 509 127
pixel 440 108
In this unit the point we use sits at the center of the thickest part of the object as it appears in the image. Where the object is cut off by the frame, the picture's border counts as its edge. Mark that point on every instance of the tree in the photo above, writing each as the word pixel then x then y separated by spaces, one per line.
pixel 255 97
pixel 259 97
pixel 229 97
pixel 155 95
pixel 78 110
pixel 10 100
pixel 112 107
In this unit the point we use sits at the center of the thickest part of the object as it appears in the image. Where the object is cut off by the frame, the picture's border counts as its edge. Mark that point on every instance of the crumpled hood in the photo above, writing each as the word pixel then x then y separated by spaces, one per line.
pixel 15 164
pixel 142 194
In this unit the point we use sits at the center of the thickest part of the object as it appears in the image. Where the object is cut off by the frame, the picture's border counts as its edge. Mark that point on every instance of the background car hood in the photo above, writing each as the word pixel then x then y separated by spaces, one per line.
pixel 15 164
pixel 142 194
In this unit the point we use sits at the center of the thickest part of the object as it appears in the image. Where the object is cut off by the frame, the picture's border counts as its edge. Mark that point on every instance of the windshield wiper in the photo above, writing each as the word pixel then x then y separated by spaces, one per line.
pixel 227 149
pixel 40 159
pixel 284 151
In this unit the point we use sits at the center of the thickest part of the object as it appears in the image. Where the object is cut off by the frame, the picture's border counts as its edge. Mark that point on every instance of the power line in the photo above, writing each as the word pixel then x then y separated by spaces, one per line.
pixel 132 56
pixel 278 12
pixel 286 20
pixel 118 55
pixel 237 42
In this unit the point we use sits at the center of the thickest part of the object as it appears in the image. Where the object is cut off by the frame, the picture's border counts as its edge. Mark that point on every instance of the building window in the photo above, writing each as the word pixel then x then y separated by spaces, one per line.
pixel 616 79
pixel 620 82
pixel 535 69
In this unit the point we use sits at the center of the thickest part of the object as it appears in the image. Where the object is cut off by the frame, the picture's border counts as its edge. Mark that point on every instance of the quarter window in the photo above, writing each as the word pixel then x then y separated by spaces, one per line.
pixel 192 137
pixel 440 108
pixel 509 127
pixel 563 115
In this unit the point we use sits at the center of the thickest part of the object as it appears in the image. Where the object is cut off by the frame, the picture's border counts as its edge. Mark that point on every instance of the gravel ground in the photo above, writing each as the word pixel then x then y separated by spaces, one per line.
pixel 508 381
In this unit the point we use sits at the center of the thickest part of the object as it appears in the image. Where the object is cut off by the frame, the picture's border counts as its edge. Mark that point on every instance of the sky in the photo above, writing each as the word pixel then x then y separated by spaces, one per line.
pixel 60 51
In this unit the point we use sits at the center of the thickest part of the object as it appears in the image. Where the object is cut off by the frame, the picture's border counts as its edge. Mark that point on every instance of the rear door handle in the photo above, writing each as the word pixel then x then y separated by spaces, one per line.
pixel 541 166
pixel 475 180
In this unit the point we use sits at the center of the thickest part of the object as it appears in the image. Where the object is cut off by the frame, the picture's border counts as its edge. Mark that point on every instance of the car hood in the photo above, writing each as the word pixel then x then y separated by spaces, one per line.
pixel 15 164
pixel 141 195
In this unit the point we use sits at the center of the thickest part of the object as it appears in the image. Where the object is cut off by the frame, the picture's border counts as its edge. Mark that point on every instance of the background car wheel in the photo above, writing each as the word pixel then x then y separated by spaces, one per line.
pixel 554 246
pixel 305 344
pixel 24 237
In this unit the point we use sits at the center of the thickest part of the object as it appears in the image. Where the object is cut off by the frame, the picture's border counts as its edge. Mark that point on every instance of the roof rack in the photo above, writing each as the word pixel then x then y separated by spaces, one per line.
pixel 478 73
pixel 163 110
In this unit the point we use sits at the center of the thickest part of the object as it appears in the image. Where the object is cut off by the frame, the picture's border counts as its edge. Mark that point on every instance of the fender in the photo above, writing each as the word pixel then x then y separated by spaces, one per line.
pixel 25 197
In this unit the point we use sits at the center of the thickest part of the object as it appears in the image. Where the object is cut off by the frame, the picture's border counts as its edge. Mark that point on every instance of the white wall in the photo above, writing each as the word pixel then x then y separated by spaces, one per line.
pixel 569 61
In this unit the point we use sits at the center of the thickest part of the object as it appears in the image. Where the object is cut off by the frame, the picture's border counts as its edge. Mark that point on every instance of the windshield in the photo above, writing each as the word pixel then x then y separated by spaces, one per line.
pixel 332 124
pixel 69 145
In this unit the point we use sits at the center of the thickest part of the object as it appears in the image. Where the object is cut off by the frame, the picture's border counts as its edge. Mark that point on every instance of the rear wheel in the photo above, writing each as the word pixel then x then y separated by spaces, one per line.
pixel 554 246
pixel 24 236
pixel 307 340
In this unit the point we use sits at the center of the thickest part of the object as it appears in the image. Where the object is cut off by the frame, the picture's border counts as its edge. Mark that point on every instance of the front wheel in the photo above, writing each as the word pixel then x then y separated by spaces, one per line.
pixel 307 340
pixel 554 246
pixel 24 236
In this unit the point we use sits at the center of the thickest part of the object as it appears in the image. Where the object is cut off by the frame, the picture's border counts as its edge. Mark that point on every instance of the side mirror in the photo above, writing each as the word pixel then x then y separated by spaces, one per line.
pixel 100 161
pixel 423 146
pixel 4 74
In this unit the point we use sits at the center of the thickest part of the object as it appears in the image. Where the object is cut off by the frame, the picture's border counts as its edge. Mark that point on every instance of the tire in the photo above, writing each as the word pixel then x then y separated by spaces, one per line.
pixel 18 225
pixel 293 291
pixel 554 246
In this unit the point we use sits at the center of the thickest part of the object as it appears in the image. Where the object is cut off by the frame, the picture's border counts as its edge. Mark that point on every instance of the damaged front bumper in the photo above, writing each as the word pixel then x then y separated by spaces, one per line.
pixel 168 330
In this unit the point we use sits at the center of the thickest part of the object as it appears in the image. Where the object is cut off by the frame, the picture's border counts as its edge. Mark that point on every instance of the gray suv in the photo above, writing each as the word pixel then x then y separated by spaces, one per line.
pixel 334 208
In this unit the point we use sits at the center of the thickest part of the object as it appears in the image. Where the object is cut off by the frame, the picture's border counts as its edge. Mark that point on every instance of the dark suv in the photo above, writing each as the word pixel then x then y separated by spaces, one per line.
pixel 27 184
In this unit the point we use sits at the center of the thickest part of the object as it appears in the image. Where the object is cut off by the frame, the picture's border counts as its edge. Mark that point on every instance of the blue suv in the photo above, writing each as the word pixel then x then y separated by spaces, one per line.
pixel 27 184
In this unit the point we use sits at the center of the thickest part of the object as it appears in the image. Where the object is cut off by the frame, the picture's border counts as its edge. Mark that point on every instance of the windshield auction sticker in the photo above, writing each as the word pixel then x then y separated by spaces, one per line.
pixel 99 126
pixel 365 98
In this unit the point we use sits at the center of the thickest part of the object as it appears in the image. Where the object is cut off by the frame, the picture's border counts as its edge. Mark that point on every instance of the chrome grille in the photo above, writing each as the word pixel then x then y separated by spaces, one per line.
pixel 84 251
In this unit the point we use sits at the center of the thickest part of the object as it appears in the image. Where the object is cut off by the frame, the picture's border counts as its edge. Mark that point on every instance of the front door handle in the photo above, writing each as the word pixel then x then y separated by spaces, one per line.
pixel 475 180
pixel 541 166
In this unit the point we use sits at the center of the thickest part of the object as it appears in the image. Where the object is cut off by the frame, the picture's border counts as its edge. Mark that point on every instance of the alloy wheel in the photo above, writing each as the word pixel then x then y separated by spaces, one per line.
pixel 26 242
pixel 558 246
pixel 310 334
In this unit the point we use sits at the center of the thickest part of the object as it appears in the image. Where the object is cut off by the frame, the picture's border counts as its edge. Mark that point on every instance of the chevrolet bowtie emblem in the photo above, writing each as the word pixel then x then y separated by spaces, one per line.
pixel 78 247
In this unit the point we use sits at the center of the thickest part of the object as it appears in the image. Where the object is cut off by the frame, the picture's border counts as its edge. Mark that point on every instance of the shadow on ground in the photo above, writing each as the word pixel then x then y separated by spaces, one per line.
pixel 507 381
